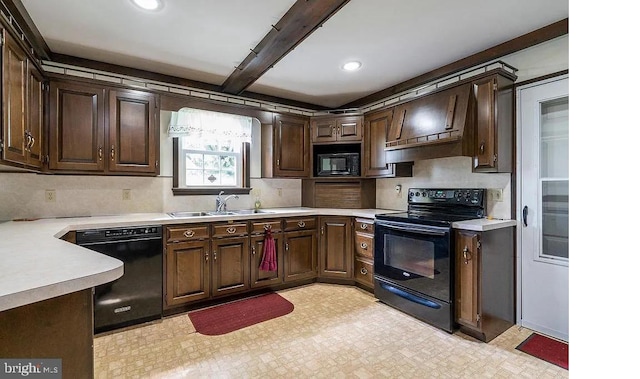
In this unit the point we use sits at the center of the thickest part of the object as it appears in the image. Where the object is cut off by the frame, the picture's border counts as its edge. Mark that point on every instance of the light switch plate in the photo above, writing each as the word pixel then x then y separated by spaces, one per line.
pixel 126 194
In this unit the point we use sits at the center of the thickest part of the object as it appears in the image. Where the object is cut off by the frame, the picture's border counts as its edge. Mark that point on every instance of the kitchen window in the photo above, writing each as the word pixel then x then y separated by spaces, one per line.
pixel 212 151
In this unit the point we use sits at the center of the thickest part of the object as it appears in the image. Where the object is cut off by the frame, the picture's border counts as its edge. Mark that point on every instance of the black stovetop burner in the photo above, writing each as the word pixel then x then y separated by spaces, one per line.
pixel 440 207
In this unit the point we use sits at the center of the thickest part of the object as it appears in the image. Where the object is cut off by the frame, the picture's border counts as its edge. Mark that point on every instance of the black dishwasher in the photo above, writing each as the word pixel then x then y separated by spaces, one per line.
pixel 136 296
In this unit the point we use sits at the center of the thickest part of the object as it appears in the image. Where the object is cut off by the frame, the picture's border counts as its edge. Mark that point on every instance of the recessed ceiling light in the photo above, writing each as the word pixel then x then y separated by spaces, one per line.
pixel 149 5
pixel 352 66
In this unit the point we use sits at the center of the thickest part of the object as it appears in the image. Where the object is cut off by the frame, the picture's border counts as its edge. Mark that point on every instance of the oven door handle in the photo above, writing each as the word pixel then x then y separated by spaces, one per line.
pixel 411 297
pixel 414 229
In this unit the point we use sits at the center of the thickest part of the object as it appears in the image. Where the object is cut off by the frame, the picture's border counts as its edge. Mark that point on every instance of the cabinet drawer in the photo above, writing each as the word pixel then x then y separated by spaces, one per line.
pixel 187 233
pixel 258 227
pixel 364 245
pixel 300 223
pixel 228 230
pixel 363 272
pixel 364 225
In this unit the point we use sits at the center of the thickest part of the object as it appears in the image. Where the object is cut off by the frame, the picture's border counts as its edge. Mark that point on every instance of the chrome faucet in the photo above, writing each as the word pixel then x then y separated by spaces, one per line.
pixel 221 204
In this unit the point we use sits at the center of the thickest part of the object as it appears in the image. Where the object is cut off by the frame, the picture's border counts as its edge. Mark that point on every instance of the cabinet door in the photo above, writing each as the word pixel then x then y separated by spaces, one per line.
pixel 323 130
pixel 485 146
pixel 300 259
pixel 291 146
pixel 14 74
pixel 336 247
pixel 133 132
pixel 35 115
pixel 76 122
pixel 262 278
pixel 349 128
pixel 376 126
pixel 230 265
pixel 187 272
pixel 467 269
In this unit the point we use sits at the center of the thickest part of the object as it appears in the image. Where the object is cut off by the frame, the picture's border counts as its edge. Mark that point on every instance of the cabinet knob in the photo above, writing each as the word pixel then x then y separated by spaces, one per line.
pixel 364 271
pixel 189 233
pixel 286 246
pixel 113 152
pixel 100 153
pixel 231 230
pixel 466 255
pixel 206 257
pixel 215 255
pixel 301 224
pixel 364 245
pixel 482 148
pixel 253 250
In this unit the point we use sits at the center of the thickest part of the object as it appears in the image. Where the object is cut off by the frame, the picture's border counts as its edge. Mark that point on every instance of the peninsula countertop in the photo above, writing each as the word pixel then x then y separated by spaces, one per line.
pixel 36 265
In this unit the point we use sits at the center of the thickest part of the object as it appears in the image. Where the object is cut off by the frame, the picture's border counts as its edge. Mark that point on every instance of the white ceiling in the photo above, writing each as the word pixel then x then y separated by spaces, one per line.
pixel 204 39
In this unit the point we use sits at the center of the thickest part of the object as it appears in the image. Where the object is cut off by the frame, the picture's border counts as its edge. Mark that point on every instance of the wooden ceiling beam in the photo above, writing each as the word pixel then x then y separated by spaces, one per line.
pixel 304 17
pixel 543 34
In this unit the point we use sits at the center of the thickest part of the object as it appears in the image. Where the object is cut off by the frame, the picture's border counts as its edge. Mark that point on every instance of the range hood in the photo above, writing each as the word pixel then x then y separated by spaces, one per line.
pixel 442 123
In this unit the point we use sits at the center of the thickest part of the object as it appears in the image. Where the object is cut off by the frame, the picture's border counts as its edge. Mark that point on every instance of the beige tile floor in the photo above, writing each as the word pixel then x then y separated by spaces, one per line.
pixel 333 332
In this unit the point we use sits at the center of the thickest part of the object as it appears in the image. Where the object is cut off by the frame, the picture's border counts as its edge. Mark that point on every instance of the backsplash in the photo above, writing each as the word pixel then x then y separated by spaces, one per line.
pixel 22 195
pixel 453 172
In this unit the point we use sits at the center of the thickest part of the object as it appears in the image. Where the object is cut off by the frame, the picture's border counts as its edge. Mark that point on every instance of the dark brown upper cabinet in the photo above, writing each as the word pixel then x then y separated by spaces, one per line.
pixel 22 98
pixel 291 147
pixel 376 126
pixel 336 129
pixel 99 129
pixel 493 115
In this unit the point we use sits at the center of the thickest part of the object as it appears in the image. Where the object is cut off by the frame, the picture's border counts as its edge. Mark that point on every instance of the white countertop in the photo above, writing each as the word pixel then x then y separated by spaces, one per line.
pixel 36 265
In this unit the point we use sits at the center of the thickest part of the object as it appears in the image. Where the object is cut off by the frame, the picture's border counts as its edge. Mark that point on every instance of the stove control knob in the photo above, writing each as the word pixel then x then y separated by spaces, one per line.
pixel 424 194
pixel 410 194
pixel 417 194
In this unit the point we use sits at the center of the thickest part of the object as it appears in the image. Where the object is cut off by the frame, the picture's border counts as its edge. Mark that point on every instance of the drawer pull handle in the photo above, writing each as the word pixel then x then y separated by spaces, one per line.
pixel 231 230
pixel 189 233
pixel 113 152
pixel 364 271
pixel 267 227
pixel 363 226
pixel 206 257
pixel 301 224
pixel 364 245
pixel 100 153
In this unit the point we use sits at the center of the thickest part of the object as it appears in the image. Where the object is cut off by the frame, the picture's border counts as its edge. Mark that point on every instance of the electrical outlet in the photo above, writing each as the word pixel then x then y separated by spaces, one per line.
pixel 50 196
pixel 126 194
pixel 398 190
pixel 280 192
pixel 495 194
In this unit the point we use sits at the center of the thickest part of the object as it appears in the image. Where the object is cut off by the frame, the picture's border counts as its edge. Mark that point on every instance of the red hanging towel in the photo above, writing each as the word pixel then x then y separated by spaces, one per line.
pixel 269 259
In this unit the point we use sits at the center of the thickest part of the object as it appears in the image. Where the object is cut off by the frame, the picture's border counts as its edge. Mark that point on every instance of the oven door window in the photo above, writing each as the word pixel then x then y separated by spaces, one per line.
pixel 416 261
pixel 416 257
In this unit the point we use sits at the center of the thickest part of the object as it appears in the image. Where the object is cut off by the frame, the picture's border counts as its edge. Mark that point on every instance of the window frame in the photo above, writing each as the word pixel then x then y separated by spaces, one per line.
pixel 183 191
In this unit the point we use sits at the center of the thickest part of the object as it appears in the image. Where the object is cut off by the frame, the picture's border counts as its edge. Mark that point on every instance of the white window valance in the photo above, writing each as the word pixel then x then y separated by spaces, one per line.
pixel 211 125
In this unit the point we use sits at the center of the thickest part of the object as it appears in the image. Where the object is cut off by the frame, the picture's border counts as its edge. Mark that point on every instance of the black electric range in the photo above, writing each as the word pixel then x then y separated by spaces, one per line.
pixel 414 252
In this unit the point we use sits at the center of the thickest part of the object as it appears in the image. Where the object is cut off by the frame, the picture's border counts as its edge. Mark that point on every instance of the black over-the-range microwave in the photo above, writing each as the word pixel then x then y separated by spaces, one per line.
pixel 338 164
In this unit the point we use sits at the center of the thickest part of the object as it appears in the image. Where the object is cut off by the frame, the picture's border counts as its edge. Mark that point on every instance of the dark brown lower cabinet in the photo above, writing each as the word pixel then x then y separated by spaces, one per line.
pixel 230 265
pixel 484 286
pixel 300 255
pixel 187 270
pixel 336 247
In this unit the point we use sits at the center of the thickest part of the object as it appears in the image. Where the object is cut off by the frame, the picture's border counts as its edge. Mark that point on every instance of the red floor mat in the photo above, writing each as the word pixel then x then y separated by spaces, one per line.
pixel 547 349
pixel 226 318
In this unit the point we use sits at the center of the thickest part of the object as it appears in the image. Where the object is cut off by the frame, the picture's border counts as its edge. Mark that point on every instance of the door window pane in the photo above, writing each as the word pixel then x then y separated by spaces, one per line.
pixel 554 138
pixel 555 218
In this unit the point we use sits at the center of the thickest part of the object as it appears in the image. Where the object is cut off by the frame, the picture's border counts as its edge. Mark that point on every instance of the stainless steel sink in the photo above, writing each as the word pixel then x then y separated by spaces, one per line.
pixel 249 211
pixel 190 214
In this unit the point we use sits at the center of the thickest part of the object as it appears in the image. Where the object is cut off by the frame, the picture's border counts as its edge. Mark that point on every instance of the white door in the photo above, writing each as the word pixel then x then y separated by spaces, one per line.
pixel 543 130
